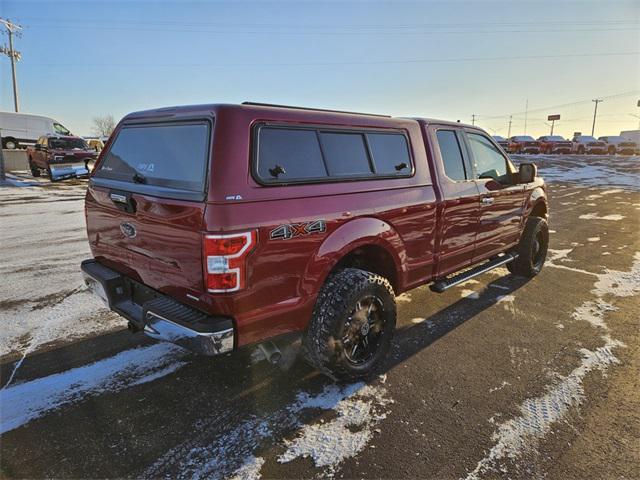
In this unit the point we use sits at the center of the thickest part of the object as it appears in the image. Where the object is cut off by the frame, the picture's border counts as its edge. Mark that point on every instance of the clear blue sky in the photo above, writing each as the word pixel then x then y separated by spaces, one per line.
pixel 88 58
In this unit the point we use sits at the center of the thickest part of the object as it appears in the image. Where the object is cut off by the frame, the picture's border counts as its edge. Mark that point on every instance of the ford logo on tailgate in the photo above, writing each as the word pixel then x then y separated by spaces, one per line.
pixel 128 230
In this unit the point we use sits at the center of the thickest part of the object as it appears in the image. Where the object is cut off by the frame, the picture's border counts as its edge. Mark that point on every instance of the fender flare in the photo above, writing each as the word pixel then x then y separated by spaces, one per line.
pixel 536 197
pixel 347 237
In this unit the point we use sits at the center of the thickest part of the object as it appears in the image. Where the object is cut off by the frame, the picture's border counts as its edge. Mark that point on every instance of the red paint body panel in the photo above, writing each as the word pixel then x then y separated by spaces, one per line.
pixel 425 225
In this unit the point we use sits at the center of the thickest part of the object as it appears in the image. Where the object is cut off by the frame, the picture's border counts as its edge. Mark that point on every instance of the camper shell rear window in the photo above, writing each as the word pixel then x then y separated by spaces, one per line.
pixel 161 159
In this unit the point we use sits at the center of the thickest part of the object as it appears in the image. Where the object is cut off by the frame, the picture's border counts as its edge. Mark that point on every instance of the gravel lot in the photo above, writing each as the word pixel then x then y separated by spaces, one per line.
pixel 497 378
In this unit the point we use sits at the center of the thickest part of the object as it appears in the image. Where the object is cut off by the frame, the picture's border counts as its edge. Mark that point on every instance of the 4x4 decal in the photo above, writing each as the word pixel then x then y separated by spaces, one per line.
pixel 285 232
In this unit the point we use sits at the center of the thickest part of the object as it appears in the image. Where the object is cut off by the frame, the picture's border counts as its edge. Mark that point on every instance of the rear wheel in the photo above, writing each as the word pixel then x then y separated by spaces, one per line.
pixel 352 325
pixel 532 249
pixel 9 143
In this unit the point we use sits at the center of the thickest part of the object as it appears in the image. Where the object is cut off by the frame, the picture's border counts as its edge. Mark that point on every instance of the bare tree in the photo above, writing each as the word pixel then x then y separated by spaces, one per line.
pixel 103 125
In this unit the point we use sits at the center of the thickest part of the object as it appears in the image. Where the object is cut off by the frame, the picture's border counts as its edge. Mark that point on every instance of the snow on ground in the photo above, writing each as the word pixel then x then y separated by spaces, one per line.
pixel 29 400
pixel 43 296
pixel 357 409
pixel 597 171
pixel 520 434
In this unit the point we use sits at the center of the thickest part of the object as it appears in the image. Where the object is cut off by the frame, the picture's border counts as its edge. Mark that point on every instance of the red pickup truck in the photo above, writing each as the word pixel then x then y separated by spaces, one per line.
pixel 220 226
pixel 61 156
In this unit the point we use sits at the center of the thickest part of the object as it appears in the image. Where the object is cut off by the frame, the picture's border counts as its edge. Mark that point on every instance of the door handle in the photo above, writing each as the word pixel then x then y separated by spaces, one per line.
pixel 487 201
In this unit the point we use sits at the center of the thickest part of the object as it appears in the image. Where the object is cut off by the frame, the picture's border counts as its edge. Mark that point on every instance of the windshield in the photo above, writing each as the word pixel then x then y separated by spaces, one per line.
pixel 166 155
pixel 555 138
pixel 67 144
pixel 524 138
pixel 614 139
pixel 498 138
pixel 587 139
pixel 60 129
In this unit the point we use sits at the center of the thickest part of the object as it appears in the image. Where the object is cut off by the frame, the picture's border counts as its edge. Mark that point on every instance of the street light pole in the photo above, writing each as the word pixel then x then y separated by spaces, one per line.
pixel 595 112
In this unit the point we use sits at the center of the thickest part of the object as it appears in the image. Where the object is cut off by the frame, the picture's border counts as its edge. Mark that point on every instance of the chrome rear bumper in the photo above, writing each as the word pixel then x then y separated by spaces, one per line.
pixel 157 315
pixel 204 343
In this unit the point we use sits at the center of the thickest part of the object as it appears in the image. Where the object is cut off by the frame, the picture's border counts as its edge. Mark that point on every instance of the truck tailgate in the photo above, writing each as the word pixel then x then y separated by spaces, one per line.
pixel 160 244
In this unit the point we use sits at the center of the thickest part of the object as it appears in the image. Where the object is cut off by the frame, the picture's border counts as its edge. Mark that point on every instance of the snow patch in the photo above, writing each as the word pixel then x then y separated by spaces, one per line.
pixel 331 442
pixel 417 320
pixel 403 297
pixel 471 294
pixel 250 470
pixel 595 216
pixel 593 239
pixel 521 433
pixel 29 400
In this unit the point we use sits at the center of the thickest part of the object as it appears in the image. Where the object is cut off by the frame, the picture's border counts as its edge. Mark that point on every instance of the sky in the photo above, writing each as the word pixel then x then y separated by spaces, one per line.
pixel 448 60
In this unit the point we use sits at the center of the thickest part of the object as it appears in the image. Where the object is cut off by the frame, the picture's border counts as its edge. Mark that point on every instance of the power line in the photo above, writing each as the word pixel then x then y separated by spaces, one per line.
pixel 578 102
pixel 346 63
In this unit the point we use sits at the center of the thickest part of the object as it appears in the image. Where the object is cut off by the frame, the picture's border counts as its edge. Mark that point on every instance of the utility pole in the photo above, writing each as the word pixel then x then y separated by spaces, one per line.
pixel 473 119
pixel 595 112
pixel 509 133
pixel 13 55
pixel 526 112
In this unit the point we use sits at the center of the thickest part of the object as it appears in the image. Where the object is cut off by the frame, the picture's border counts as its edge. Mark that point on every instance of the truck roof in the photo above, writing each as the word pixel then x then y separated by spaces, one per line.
pixel 296 111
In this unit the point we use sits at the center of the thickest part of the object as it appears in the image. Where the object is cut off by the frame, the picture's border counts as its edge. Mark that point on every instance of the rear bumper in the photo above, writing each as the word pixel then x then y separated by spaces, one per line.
pixel 159 316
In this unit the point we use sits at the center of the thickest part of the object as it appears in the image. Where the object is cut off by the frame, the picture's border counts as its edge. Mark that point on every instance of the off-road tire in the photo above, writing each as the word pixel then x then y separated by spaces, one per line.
pixel 322 345
pixel 531 258
pixel 35 171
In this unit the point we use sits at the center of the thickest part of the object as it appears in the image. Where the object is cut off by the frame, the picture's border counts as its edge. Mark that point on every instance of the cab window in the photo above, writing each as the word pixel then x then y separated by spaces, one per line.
pixel 489 162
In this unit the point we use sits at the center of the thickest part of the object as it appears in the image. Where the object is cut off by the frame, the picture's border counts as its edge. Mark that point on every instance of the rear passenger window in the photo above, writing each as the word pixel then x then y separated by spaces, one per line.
pixel 451 154
pixel 316 154
pixel 345 153
pixel 390 153
pixel 286 154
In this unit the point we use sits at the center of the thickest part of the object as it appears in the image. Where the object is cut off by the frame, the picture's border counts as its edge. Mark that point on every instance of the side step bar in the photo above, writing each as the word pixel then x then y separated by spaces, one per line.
pixel 443 284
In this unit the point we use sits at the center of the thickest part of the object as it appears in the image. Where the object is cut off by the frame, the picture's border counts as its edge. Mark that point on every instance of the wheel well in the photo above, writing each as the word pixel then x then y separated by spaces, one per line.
pixel 371 258
pixel 539 210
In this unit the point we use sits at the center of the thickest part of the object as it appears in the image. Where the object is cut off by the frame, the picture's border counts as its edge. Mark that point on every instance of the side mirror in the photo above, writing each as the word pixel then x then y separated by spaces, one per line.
pixel 528 172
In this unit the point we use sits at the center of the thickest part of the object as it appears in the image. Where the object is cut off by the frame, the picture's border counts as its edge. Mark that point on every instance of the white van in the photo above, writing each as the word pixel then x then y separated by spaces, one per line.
pixel 20 129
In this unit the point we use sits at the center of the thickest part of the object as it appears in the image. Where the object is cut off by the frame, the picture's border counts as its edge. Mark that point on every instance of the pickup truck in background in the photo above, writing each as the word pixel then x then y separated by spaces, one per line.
pixel 619 145
pixel 61 156
pixel 523 144
pixel 552 144
pixel 587 144
pixel 218 227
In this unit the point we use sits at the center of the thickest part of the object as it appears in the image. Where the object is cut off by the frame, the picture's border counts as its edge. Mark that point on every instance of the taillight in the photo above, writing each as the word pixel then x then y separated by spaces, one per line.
pixel 225 260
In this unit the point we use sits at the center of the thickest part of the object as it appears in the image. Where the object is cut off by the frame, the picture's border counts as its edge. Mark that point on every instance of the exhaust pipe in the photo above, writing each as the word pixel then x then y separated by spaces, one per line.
pixel 271 352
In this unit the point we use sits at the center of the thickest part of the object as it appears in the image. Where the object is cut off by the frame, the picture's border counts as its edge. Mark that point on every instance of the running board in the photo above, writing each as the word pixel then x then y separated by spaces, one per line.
pixel 443 284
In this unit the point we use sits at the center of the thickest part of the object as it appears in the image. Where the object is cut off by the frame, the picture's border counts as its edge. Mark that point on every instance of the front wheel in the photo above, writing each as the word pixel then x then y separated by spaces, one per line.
pixel 35 171
pixel 352 325
pixel 532 249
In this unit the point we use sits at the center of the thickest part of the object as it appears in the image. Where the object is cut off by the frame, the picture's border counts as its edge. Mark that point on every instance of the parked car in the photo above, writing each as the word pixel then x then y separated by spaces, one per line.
pixel 22 129
pixel 632 136
pixel 617 144
pixel 551 144
pixel 60 156
pixel 308 223
pixel 587 144
pixel 503 142
pixel 523 144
